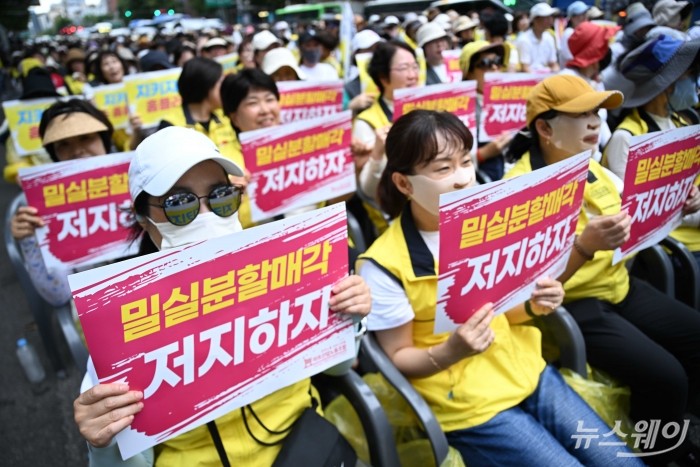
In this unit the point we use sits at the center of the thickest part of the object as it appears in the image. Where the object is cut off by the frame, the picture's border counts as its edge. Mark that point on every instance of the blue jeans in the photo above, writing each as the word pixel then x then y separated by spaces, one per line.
pixel 538 432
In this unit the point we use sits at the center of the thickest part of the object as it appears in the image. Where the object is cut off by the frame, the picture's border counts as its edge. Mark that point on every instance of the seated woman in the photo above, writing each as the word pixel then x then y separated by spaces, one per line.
pixel 491 391
pixel 103 410
pixel 640 336
pixel 659 101
pixel 69 130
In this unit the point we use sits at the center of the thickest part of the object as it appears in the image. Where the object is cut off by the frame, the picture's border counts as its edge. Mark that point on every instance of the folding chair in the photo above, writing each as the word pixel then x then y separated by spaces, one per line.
pixel 653 265
pixel 373 359
pixel 686 272
pixel 42 311
pixel 376 427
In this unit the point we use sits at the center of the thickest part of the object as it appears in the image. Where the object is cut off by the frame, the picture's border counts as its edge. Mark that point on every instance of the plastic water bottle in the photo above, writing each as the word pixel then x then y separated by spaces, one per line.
pixel 30 362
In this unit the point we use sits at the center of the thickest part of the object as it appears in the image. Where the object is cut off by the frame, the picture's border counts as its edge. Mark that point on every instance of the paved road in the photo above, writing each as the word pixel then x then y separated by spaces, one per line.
pixel 35 429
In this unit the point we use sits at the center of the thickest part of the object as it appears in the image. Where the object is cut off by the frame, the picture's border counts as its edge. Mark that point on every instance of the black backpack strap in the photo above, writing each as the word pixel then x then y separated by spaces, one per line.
pixel 214 432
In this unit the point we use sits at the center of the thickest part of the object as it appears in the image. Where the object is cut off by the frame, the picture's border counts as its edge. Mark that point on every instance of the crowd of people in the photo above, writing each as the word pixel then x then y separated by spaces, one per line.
pixel 493 394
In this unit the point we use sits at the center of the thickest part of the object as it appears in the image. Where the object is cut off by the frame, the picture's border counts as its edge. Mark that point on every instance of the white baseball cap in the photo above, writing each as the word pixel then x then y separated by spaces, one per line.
pixel 264 39
pixel 542 10
pixel 390 21
pixel 278 58
pixel 364 40
pixel 164 157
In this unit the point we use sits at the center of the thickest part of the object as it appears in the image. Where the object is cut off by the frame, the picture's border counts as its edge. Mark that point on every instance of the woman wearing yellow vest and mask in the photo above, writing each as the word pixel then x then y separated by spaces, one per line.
pixel 487 383
pixel 664 73
pixel 173 167
pixel 637 334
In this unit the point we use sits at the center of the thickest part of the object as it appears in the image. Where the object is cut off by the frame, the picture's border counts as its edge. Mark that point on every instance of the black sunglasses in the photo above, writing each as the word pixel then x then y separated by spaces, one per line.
pixel 488 62
pixel 182 208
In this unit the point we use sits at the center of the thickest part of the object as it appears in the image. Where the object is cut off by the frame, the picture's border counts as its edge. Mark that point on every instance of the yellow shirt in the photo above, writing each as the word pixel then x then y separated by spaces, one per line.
pixel 474 390
pixel 277 411
pixel 597 278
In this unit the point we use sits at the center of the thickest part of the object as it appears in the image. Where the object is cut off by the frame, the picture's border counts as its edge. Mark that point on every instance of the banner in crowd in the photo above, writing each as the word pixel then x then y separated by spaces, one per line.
pixel 111 99
pixel 505 96
pixel 299 164
pixel 228 62
pixel 451 59
pixel 302 100
pixel 153 95
pixel 456 98
pixel 498 239
pixel 23 118
pixel 85 206
pixel 347 32
pixel 661 169
pixel 209 327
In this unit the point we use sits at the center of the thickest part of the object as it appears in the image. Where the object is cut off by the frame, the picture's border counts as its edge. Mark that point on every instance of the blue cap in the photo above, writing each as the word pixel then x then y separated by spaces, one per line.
pixel 21 342
pixel 577 8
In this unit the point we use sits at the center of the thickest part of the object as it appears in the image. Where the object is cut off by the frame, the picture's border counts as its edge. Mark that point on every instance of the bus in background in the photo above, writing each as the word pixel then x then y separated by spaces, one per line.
pixel 304 13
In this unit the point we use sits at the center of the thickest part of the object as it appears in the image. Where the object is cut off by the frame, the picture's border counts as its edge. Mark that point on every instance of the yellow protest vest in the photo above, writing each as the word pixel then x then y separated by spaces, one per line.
pixel 474 390
pixel 277 411
pixel 635 124
pixel 375 115
pixel 596 278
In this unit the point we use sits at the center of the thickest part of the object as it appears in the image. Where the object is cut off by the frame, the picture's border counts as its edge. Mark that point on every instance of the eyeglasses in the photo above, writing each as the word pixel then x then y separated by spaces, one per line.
pixel 182 208
pixel 486 63
pixel 407 67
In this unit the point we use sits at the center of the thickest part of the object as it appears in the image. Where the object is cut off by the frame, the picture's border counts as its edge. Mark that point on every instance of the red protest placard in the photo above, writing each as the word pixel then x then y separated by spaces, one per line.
pixel 457 98
pixel 206 328
pixel 298 164
pixel 85 207
pixel 497 239
pixel 505 96
pixel 302 100
pixel 661 169
pixel 451 59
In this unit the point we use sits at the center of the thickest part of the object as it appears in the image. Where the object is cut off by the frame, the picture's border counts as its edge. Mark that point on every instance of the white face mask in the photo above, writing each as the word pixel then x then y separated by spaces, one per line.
pixel 427 191
pixel 205 226
pixel 568 133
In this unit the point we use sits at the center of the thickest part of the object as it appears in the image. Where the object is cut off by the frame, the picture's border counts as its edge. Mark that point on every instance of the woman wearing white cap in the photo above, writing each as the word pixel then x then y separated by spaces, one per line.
pixel 173 166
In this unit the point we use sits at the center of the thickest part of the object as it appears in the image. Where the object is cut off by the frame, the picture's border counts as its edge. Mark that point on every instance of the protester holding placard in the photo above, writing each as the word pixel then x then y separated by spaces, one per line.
pixel 393 66
pixel 487 383
pixel 36 85
pixel 476 59
pixel 172 168
pixel 109 68
pixel 69 130
pixel 664 72
pixel 634 332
